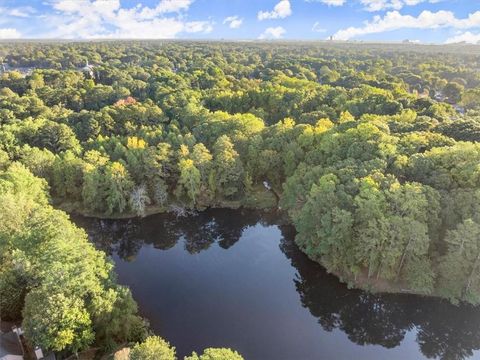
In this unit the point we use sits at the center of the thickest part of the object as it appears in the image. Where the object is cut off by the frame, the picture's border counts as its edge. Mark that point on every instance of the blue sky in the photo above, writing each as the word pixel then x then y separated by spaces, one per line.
pixel 429 21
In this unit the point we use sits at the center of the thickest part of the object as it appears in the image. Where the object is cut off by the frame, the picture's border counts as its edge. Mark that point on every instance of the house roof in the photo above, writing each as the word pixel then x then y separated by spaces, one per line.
pixel 9 345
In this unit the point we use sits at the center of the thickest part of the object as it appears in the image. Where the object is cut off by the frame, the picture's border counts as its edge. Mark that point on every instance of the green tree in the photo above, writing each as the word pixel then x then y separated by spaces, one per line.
pixel 115 319
pixel 67 176
pixel 189 181
pixel 371 226
pixel 471 98
pixel 117 186
pixel 460 267
pixel 57 322
pixel 228 169
pixel 49 268
pixel 202 160
pixel 153 348
pixel 453 91
pixel 13 288
pixel 215 354
pixel 56 138
pixel 325 225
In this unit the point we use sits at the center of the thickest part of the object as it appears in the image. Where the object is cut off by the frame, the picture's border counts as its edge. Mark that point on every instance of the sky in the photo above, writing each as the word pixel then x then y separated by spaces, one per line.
pixel 426 21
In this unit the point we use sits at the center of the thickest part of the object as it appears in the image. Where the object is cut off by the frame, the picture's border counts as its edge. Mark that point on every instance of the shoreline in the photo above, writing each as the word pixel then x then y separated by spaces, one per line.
pixel 362 282
pixel 261 199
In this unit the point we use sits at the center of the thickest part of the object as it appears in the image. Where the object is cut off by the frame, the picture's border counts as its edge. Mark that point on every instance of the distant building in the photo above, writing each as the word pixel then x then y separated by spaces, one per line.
pixel 10 344
pixel 439 96
pixel 89 70
pixel 459 109
pixel 267 186
pixel 24 71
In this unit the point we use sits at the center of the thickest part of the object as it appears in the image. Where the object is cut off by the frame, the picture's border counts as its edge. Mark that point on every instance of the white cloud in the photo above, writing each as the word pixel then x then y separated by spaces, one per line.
pixel 382 5
pixel 169 6
pixel 330 2
pixel 165 7
pixel 280 11
pixel 19 12
pixel 233 22
pixel 377 5
pixel 108 19
pixel 23 11
pixel 9 33
pixel 273 33
pixel 393 20
pixel 467 37
pixel 334 2
pixel 107 6
pixel 198 26
pixel 68 6
pixel 318 28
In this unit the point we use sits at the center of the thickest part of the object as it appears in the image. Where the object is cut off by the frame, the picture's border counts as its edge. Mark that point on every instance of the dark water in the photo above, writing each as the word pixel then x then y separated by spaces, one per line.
pixel 235 279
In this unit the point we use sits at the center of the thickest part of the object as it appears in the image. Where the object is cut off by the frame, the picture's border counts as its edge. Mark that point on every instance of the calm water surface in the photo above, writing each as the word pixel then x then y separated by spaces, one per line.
pixel 234 278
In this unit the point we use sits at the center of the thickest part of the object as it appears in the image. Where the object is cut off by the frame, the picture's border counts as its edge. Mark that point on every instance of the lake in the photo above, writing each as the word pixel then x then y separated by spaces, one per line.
pixel 235 278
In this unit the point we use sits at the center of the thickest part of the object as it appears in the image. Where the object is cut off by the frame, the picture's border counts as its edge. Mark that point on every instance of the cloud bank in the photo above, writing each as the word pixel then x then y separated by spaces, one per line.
pixel 89 19
pixel 393 20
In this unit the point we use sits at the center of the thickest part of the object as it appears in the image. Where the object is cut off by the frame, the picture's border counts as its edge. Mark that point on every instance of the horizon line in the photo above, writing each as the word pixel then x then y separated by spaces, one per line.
pixel 328 41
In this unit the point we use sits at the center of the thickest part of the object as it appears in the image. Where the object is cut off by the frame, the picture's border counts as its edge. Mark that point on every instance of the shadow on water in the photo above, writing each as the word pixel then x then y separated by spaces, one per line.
pixel 442 330
pixel 200 231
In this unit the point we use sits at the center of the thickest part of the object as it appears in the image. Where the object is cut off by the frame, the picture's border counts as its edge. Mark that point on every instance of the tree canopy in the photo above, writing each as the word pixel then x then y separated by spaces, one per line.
pixel 372 151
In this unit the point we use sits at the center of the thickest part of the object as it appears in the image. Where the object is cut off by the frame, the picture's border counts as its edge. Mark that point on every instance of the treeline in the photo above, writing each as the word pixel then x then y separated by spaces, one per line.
pixel 372 152
pixel 61 287
pixel 372 205
pixel 155 348
pixel 53 278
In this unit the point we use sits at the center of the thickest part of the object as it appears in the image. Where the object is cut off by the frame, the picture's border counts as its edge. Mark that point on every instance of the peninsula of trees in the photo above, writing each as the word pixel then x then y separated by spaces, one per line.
pixel 371 150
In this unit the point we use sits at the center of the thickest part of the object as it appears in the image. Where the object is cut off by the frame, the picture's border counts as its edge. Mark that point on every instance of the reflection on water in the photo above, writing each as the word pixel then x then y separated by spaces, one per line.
pixel 266 298
pixel 444 331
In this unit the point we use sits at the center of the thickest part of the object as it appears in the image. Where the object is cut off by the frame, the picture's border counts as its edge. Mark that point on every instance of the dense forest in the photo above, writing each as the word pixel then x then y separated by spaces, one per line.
pixel 370 150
